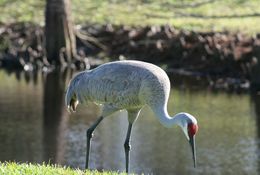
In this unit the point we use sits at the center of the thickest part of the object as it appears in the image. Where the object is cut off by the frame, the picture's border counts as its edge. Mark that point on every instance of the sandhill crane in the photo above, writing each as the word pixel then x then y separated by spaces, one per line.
pixel 128 85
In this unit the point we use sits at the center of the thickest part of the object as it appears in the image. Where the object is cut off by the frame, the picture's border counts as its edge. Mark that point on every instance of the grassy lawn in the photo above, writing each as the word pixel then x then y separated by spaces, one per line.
pixel 213 15
pixel 37 169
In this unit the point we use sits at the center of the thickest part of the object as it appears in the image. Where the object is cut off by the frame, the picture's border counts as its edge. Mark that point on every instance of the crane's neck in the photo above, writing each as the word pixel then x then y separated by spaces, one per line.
pixel 166 120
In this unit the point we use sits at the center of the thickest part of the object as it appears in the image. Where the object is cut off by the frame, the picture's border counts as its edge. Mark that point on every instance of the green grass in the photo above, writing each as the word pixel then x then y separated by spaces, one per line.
pixel 147 12
pixel 9 168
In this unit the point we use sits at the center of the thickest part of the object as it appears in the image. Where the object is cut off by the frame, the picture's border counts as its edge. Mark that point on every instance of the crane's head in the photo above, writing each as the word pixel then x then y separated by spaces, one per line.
pixel 189 125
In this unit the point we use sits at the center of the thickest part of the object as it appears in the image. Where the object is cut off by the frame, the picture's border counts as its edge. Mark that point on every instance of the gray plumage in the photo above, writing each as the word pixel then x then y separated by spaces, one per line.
pixel 126 85
pixel 121 85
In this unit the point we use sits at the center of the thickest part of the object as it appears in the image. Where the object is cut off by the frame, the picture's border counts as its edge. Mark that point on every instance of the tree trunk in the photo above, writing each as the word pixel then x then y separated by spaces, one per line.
pixel 59 33
pixel 255 72
pixel 255 77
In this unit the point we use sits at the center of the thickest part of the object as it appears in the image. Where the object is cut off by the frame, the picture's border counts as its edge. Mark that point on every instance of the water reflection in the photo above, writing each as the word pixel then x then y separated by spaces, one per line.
pixel 255 97
pixel 54 118
pixel 35 127
pixel 20 119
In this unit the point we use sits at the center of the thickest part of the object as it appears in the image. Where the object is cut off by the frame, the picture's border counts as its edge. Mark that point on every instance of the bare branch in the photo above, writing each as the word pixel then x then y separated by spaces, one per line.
pixel 84 36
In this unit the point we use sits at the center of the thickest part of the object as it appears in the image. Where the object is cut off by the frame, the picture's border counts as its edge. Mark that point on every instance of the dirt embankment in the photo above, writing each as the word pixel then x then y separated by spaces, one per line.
pixel 212 54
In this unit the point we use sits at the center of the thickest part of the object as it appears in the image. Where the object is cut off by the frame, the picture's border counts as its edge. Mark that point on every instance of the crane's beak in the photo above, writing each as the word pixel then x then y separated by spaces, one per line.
pixel 193 148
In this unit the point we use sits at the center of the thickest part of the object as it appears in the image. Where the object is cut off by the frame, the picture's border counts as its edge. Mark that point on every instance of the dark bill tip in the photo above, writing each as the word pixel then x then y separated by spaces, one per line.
pixel 193 149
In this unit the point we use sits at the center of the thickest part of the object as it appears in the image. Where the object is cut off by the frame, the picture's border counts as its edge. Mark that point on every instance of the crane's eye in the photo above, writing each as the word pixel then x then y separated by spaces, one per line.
pixel 192 129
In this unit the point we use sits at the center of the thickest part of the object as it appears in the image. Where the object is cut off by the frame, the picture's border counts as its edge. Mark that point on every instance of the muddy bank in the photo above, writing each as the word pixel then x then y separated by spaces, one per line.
pixel 217 55
pixel 223 54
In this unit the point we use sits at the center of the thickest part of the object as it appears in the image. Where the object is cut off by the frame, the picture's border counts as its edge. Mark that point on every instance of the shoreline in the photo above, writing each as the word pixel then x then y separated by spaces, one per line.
pixel 220 55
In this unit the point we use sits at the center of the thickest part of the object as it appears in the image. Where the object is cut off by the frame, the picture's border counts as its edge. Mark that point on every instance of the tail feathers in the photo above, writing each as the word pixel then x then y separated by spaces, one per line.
pixel 71 101
pixel 72 97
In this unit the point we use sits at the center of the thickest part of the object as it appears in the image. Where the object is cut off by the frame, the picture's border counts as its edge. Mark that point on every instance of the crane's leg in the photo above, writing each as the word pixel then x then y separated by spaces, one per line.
pixel 89 136
pixel 127 146
pixel 132 116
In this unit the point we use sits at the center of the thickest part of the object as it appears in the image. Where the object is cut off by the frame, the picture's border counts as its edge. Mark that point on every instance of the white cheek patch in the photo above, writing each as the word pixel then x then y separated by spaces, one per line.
pixel 185 130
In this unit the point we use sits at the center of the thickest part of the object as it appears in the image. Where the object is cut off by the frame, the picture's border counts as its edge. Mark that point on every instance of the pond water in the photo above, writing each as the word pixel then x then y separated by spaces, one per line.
pixel 35 127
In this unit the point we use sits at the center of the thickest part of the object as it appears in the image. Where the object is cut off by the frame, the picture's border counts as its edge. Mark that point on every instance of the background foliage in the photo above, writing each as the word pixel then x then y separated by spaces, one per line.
pixel 198 15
